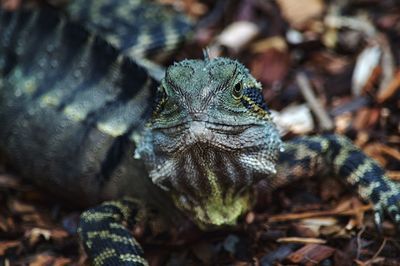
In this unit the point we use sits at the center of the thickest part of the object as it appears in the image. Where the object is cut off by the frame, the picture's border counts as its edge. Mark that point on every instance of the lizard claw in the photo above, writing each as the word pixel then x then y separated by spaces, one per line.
pixel 394 212
pixel 389 203
pixel 378 219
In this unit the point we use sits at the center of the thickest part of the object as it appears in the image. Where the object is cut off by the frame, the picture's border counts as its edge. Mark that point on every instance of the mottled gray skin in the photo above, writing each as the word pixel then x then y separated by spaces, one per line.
pixel 204 145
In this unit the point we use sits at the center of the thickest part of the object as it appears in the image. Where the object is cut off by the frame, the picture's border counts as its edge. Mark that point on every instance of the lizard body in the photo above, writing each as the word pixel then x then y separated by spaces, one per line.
pixel 74 111
pixel 99 97
pixel 132 25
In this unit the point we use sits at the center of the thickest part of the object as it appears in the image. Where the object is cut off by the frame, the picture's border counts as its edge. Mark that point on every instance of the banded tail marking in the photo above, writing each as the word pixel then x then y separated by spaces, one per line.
pixel 310 156
pixel 105 223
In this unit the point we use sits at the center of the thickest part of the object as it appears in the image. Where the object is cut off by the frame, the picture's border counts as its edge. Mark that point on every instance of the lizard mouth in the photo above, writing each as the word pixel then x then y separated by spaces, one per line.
pixel 178 138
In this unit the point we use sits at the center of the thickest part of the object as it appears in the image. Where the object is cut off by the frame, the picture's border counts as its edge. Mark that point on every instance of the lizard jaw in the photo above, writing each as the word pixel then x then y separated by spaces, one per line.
pixel 216 210
pixel 214 193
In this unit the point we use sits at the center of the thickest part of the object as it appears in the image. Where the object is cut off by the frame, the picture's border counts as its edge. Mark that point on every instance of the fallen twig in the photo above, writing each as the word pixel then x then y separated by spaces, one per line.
pixel 302 240
pixel 298 216
pixel 325 121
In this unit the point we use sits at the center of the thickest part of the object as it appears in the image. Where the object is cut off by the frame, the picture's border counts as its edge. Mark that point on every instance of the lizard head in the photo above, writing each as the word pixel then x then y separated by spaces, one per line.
pixel 210 139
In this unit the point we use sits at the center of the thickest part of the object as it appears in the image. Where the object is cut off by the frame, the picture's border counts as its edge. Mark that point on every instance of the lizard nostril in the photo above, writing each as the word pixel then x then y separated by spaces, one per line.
pixel 198 116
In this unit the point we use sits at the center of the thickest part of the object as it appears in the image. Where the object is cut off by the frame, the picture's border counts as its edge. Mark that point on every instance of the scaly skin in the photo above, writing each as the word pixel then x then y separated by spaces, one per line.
pixel 107 241
pixel 133 26
pixel 208 142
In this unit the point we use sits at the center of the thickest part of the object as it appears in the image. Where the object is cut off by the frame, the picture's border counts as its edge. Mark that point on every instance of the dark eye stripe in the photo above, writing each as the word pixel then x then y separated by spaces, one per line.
pixel 253 100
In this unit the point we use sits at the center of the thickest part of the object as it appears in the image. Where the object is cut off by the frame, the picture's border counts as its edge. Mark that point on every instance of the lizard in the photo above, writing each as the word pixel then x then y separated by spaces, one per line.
pixel 74 111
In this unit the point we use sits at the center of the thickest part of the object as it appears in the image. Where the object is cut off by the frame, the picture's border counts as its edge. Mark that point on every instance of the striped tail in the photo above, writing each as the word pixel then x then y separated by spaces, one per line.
pixel 106 240
pixel 311 156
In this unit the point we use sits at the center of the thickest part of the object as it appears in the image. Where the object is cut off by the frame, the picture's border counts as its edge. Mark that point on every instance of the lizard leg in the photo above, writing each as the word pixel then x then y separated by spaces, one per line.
pixel 311 156
pixel 105 237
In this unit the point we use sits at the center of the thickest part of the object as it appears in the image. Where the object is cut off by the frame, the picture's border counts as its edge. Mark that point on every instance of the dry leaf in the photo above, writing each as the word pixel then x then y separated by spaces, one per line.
pixel 367 62
pixel 46 259
pixel 311 254
pixel 388 91
pixel 8 181
pixel 296 119
pixel 271 66
pixel 10 4
pixel 4 245
pixel 21 207
pixel 35 234
pixel 238 34
pixel 300 11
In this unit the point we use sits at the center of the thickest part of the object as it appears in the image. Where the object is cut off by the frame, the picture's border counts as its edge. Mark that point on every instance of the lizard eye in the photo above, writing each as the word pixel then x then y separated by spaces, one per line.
pixel 237 90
